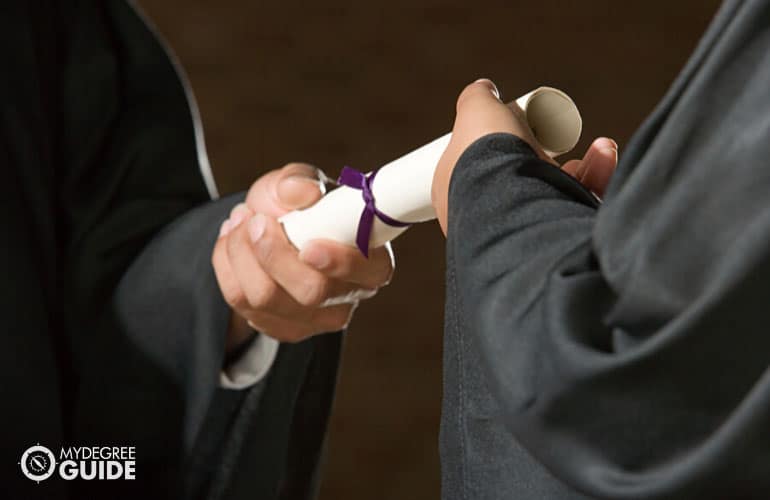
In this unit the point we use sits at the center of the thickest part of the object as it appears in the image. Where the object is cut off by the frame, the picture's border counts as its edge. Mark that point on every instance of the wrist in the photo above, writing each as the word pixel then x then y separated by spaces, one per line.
pixel 239 332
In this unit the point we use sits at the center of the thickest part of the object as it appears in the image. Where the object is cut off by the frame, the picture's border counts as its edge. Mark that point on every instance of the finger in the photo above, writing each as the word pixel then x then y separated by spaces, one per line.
pixel 258 291
pixel 327 320
pixel 572 166
pixel 481 88
pixel 228 283
pixel 237 330
pixel 334 318
pixel 598 165
pixel 346 263
pixel 280 328
pixel 299 185
pixel 295 186
pixel 276 314
pixel 237 215
pixel 480 110
pixel 280 261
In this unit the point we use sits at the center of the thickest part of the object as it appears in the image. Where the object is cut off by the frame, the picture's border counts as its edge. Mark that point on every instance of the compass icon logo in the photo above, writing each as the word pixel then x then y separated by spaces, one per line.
pixel 38 463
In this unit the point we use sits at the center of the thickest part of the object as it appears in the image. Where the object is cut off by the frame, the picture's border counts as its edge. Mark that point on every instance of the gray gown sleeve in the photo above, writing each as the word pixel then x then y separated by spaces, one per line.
pixel 650 386
pixel 627 346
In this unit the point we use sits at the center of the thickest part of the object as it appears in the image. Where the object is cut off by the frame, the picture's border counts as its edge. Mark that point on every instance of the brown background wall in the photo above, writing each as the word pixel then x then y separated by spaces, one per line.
pixel 360 83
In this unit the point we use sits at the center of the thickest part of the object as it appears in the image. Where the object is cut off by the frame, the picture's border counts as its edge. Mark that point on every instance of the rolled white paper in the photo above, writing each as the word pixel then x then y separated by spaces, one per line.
pixel 402 188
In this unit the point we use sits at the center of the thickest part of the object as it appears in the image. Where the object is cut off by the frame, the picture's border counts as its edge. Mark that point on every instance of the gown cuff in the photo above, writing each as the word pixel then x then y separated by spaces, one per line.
pixel 251 366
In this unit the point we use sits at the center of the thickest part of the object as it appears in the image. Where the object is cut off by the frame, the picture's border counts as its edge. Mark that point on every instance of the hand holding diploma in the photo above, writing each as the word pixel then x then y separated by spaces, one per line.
pixel 481 112
pixel 276 290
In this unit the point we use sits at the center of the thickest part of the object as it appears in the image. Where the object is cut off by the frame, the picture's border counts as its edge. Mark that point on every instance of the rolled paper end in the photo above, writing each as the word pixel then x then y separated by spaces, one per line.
pixel 553 118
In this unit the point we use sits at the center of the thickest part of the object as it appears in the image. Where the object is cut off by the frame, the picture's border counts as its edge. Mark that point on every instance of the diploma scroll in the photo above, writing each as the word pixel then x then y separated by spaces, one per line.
pixel 402 188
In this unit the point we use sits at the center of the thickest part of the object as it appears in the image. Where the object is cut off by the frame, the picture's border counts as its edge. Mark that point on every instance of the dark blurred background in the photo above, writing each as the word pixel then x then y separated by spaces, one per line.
pixel 360 83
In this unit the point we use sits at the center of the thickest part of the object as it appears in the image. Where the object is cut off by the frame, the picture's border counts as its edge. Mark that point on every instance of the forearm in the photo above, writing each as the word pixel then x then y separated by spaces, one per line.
pixel 613 393
pixel 509 232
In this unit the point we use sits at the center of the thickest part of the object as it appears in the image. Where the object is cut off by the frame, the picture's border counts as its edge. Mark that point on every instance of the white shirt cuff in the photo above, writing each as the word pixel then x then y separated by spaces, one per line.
pixel 252 366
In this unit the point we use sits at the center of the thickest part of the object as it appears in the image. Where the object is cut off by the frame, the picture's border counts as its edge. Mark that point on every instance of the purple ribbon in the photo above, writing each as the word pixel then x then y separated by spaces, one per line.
pixel 358 180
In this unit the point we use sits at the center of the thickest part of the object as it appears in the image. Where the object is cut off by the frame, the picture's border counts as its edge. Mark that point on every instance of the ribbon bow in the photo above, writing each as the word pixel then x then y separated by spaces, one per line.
pixel 358 180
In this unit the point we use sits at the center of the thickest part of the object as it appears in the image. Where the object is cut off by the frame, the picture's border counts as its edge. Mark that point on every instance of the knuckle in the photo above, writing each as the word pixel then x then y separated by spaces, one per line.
pixel 302 168
pixel 239 208
pixel 266 246
pixel 219 253
pixel 235 297
pixel 465 96
pixel 233 244
pixel 260 322
pixel 336 319
pixel 262 295
pixel 314 292
pixel 293 335
pixel 345 265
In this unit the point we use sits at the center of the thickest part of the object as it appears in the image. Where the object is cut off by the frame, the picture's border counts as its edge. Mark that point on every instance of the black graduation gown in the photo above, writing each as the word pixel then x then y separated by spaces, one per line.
pixel 113 323
pixel 620 351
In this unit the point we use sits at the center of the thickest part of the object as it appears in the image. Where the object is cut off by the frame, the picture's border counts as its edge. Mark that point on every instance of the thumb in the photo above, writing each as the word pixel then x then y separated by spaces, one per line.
pixel 299 185
pixel 480 112
pixel 595 170
pixel 295 186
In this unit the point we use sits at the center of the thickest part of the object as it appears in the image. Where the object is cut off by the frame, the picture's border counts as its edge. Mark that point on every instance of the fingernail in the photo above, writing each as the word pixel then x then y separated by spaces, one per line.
pixel 298 190
pixel 611 151
pixel 236 217
pixel 225 228
pixel 240 207
pixel 492 87
pixel 256 227
pixel 315 257
pixel 606 144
